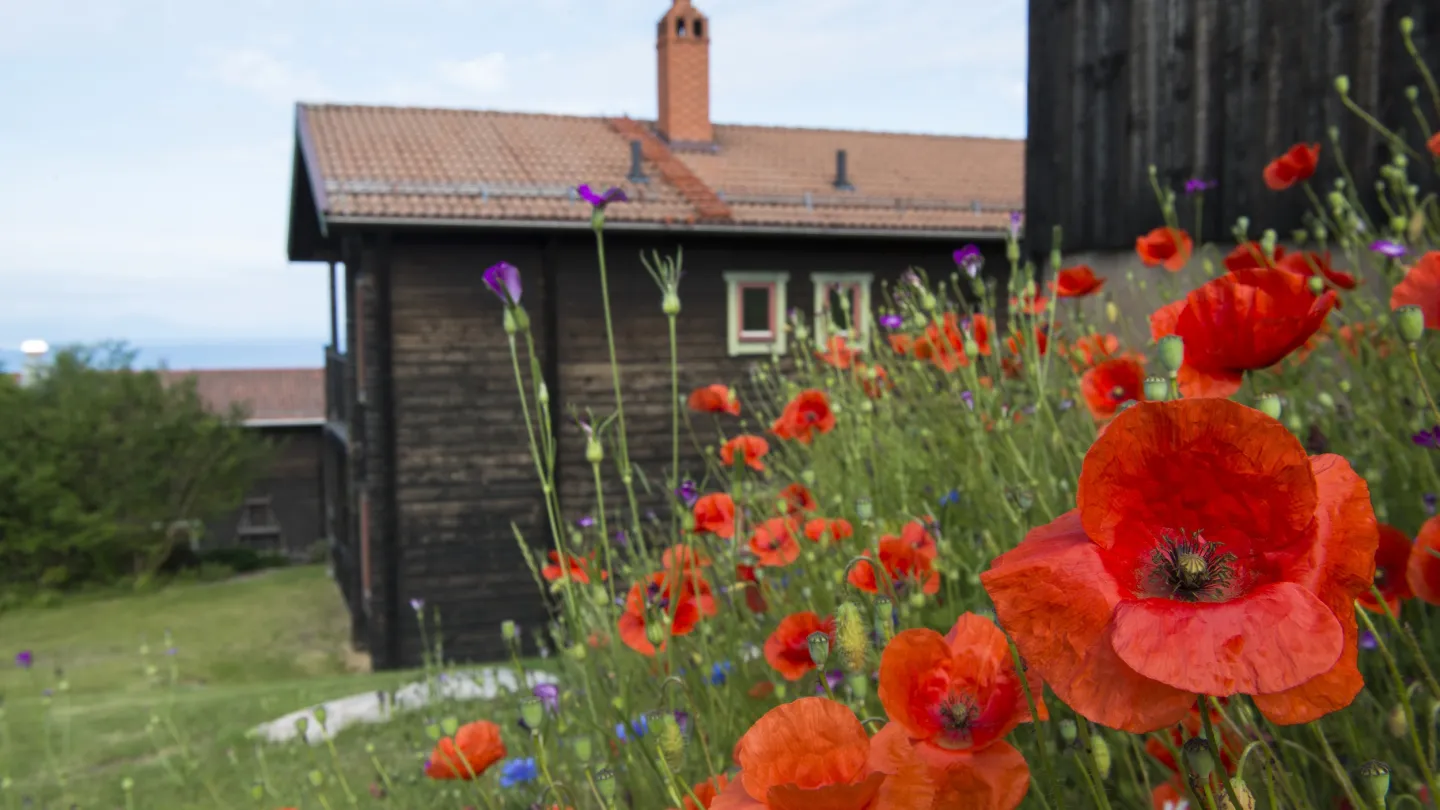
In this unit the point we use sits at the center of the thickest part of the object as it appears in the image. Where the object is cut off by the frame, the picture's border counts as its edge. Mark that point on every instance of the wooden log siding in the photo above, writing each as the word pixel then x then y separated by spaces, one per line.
pixel 1212 89
pixel 464 472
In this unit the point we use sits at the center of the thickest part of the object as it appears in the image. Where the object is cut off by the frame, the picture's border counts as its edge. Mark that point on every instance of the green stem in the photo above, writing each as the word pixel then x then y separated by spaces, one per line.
pixel 1214 741
pixel 624 459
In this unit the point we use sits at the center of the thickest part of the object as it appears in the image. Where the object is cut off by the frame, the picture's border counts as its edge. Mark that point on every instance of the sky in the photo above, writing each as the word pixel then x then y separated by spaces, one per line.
pixel 145 145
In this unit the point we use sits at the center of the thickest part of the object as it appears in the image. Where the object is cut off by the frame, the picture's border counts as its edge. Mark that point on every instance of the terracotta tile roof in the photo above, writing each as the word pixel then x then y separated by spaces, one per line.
pixel 413 163
pixel 279 394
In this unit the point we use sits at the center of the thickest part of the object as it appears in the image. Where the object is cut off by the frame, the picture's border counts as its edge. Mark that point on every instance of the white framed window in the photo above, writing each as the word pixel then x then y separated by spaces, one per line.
pixel 842 307
pixel 755 312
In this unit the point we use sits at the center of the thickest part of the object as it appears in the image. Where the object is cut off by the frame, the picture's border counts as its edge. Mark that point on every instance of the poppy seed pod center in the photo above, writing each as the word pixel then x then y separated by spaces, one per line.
pixel 1189 569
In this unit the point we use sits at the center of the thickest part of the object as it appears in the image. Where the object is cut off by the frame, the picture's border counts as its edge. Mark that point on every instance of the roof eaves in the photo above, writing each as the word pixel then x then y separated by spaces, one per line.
pixel 312 167
pixel 975 234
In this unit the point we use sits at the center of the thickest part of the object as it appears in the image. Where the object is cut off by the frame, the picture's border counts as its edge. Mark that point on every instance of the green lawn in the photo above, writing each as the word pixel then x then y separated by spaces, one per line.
pixel 246 651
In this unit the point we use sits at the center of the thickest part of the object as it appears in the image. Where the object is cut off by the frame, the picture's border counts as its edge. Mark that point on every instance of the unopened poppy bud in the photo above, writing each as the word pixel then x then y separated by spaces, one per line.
pixel 302 724
pixel 1410 320
pixel 671 743
pixel 127 784
pixel 670 304
pixel 655 633
pixel 544 395
pixel 1398 224
pixel 257 790
pixel 508 631
pixel 1407 25
pixel 927 301
pixel 1326 401
pixel 532 713
pixel 605 785
pixel 1068 732
pixel 594 451
pixel 1197 756
pixel 1395 722
pixel 1012 250
pixel 808 477
pixel 1100 752
pixel 1374 781
pixel 1242 229
pixel 317 778
pixel 432 730
pixel 509 321
pixel 1342 84
pixel 583 748
pixel 1112 312
pixel 917 600
pixel 1316 284
pixel 449 725
pixel 864 509
pixel 1412 92
pixel 971 347
pixel 1242 792
pixel 1157 389
pixel 850 636
pixel 780 691
pixel 1269 405
pixel 1267 242
pixel 884 619
pixel 320 715
pixel 819 645
pixel 1208 266
pixel 1172 353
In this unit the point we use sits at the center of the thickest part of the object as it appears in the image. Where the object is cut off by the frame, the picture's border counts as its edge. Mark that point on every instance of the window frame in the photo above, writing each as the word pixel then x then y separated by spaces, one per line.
pixel 860 315
pixel 738 342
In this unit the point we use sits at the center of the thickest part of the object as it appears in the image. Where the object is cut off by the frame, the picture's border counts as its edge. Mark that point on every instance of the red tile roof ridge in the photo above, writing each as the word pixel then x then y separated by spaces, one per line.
pixel 707 203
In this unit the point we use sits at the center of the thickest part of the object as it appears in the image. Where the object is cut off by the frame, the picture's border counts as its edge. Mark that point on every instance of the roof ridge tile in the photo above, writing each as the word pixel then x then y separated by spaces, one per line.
pixel 706 202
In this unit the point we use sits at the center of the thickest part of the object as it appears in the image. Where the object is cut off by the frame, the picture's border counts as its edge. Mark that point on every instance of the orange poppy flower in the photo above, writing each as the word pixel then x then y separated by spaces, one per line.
pixel 814 753
pixel 1434 144
pixel 474 748
pixel 1307 263
pixel 715 514
pixel 1421 288
pixel 1208 555
pixel 1017 342
pixel 1230 746
pixel 993 778
pixel 787 649
pixel 774 543
pixel 906 564
pixel 901 344
pixel 915 535
pixel 578 568
pixel 761 690
pixel 1111 384
pixel 754 596
pixel 833 529
pixel 1092 349
pixel 946 356
pixel 1392 558
pixel 706 792
pixel 1295 166
pixel 1170 247
pixel 837 353
pixel 1029 304
pixel 683 558
pixel 715 399
pixel 1076 282
pixel 1242 321
pixel 686 598
pixel 797 498
pixel 1422 573
pixel 1251 256
pixel 981 329
pixel 750 448
pixel 957 692
pixel 874 380
pixel 804 416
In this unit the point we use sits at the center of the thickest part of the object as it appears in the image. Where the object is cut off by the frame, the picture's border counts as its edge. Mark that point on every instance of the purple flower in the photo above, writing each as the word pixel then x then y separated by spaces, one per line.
pixel 892 321
pixel 1387 248
pixel 1367 640
pixel 1015 219
pixel 969 258
pixel 24 659
pixel 688 492
pixel 549 695
pixel 1428 438
pixel 621 539
pixel 1429 500
pixel 969 399
pixel 612 194
pixel 504 280
pixel 834 678
pixel 585 522
pixel 1195 185
pixel 682 719
pixel 417 605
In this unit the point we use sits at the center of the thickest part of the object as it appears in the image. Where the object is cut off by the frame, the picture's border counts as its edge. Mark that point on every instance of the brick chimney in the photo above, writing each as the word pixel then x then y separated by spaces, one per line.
pixel 683 46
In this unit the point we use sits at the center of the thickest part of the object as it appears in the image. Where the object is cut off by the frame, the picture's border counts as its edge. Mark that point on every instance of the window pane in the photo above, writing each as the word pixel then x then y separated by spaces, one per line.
pixel 755 309
pixel 841 302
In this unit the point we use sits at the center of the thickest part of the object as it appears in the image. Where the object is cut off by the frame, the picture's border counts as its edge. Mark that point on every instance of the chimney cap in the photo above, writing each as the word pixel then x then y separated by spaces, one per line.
pixel 35 348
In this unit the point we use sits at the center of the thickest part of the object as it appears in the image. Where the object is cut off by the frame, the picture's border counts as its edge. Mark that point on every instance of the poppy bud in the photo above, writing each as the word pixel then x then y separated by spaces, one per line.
pixel 1407 25
pixel 532 713
pixel 972 348
pixel 317 779
pixel 917 600
pixel 850 636
pixel 670 304
pixel 1398 224
pixel 1342 84
pixel 544 395
pixel 655 633
pixel 780 691
pixel 927 301
pixel 1267 243
pixel 1374 779
pixel 127 784
pixel 864 509
pixel 1410 320
pixel 605 785
pixel 1326 401
pixel 1208 266
pixel 302 725
pixel 808 477
pixel 1242 792
pixel 1395 722
pixel 432 730
pixel 1100 752
pixel 1068 731
pixel 671 743
pixel 257 791
pixel 1344 386
pixel 320 715
pixel 1172 353
pixel 583 748
pixel 509 322
pixel 819 645
pixel 1269 404
pixel 1316 284
pixel 1321 232
pixel 1197 756
pixel 508 630
pixel 1112 312
pixel 1242 229
pixel 884 619
pixel 1412 92
pixel 1157 389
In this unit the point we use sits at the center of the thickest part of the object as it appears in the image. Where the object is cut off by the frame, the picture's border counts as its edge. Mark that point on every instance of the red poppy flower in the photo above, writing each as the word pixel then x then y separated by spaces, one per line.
pixel 1308 263
pixel 1295 166
pixel 1352 335
pixel 578 567
pixel 1421 288
pixel 1230 746
pixel 474 748
pixel 917 537
pixel 706 792
pixel 787 649
pixel 715 399
pixel 1251 256
pixel 683 558
pixel 1434 144
pixel 905 563
pixel 797 498
pixel 804 416
pixel 1208 554
pixel 1111 384
pixel 956 692
pixel 1391 560
pixel 774 543
pixel 685 598
pixel 981 329
pixel 837 354
pixel 761 690
pixel 874 380
pixel 1017 342
pixel 750 448
pixel 1422 573
pixel 901 344
pixel 992 778
pixel 1093 349
pixel 754 597
pixel 1029 304
pixel 1076 282
pixel 1242 321
pixel 832 529
pixel 1170 247
pixel 946 356
pixel 715 513
pixel 813 753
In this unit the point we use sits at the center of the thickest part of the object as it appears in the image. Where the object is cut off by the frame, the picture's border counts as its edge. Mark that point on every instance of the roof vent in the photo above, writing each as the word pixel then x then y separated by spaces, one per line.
pixel 842 175
pixel 637 168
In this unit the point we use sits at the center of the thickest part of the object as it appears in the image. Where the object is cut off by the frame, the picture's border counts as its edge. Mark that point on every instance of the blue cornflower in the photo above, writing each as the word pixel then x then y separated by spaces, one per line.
pixel 719 672
pixel 953 496
pixel 639 725
pixel 518 772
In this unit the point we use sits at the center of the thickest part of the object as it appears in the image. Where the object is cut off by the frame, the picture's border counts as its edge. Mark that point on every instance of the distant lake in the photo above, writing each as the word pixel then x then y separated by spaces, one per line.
pixel 187 356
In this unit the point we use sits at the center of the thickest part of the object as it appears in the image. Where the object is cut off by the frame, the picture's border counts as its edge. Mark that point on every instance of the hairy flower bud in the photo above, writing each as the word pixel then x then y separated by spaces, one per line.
pixel 1412 93
pixel 858 684
pixel 1316 284
pixel 1172 354
pixel 1100 752
pixel 1112 312
pixel 1395 722
pixel 971 347
pixel 1326 401
pixel 864 509
pixel 655 633
pixel 1269 404
pixel 1157 389
pixel 1373 779
pixel 850 636
pixel 1410 321
pixel 1407 25
pixel 671 742
pixel 1242 792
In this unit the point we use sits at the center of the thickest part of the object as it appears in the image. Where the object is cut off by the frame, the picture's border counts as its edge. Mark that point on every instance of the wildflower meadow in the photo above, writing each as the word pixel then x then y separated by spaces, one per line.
pixel 984 564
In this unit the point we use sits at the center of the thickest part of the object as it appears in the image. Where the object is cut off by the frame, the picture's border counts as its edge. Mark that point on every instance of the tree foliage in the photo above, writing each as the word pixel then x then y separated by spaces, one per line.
pixel 100 461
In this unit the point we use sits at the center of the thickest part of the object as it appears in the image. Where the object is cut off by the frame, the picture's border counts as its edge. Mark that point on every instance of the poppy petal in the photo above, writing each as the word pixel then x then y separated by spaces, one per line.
pixel 1274 638
pixel 734 797
pixel 993 778
pixel 849 796
pixel 1422 573
pixel 808 743
pixel 1056 598
pixel 908 784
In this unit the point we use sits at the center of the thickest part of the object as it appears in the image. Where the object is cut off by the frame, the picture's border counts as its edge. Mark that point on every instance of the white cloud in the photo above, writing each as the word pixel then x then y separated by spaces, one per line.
pixel 484 74
pixel 267 76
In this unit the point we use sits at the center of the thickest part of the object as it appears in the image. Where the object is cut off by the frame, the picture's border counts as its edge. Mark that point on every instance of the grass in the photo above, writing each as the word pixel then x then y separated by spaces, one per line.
pixel 247 650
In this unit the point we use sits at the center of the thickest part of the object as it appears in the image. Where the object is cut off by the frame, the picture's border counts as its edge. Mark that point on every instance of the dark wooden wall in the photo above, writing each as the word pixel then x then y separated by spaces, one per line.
pixel 1212 89
pixel 292 483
